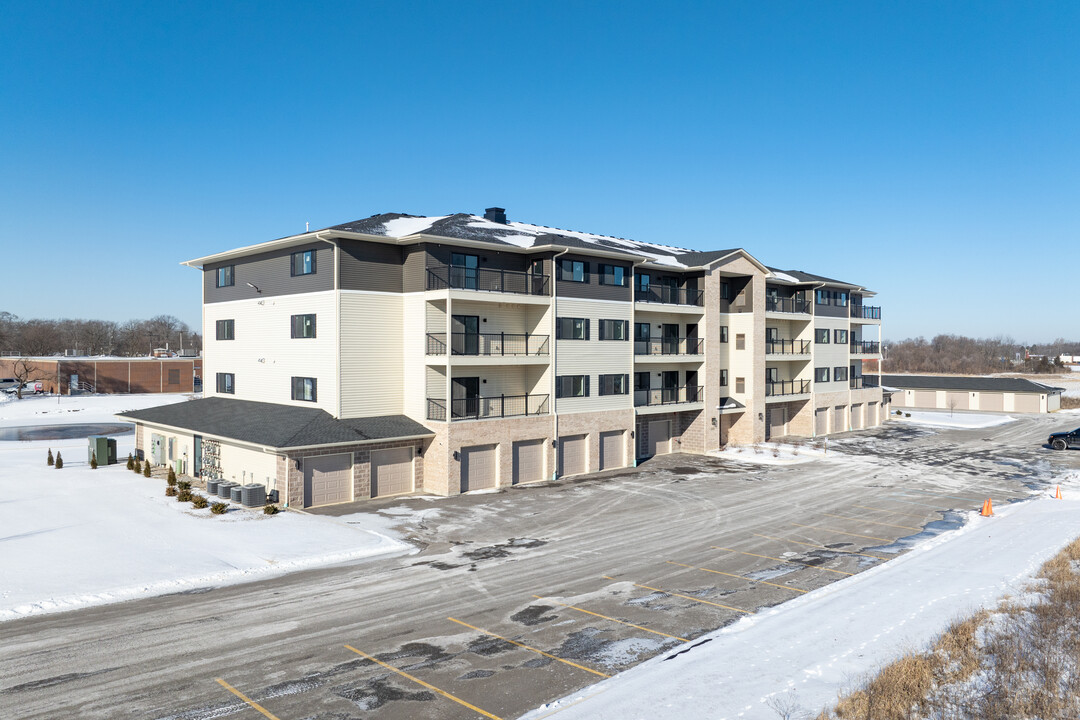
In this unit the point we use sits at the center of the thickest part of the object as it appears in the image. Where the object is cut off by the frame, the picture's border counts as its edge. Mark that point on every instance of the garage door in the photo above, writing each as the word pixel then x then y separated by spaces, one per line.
pixel 925 399
pixel 777 425
pixel 327 479
pixel 821 421
pixel 956 400
pixel 872 415
pixel 612 449
pixel 1026 403
pixel 529 460
pixel 992 402
pixel 391 471
pixel 478 467
pixel 840 419
pixel 659 438
pixel 856 416
pixel 573 455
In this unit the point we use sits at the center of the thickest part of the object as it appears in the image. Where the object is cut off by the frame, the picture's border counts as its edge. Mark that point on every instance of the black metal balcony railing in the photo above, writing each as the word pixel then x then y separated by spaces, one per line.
pixel 856 383
pixel 866 312
pixel 786 305
pixel 504 281
pixel 669 346
pixel 488 344
pixel 787 347
pixel 670 295
pixel 870 381
pixel 479 408
pixel 787 387
pixel 669 396
pixel 865 347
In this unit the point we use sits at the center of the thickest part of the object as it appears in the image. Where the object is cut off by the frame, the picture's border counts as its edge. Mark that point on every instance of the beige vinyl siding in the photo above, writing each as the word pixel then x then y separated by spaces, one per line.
pixel 248 465
pixel 595 357
pixel 265 357
pixel 435 316
pixel 504 317
pixel 496 380
pixel 830 355
pixel 371 354
pixel 436 383
pixel 414 347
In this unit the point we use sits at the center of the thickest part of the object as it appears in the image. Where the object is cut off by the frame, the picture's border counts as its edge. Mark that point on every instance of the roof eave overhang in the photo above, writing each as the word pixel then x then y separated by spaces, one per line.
pixel 400 438
pixel 753 260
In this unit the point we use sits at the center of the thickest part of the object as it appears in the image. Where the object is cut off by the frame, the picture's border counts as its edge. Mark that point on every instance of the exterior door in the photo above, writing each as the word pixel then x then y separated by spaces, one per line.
pixel 529 460
pixel 612 449
pixel 670 289
pixel 821 421
pixel 772 337
pixel 478 467
pixel 642 339
pixel 464 271
pixel 197 467
pixel 465 400
pixel 466 334
pixel 659 438
pixel 670 338
pixel 692 386
pixel 670 386
pixel 691 339
pixel 327 479
pixel 391 471
pixel 573 455
pixel 641 388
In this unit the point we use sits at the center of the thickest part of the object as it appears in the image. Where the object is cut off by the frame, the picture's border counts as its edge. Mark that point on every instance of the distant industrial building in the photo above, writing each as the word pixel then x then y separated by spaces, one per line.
pixel 111 375
pixel 985 394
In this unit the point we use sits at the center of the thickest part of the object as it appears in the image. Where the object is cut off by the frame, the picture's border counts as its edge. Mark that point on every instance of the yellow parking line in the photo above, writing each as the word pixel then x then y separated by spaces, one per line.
pixel 686 597
pixel 792 562
pixel 820 547
pixel 621 622
pixel 246 699
pixel 522 645
pixel 741 577
pixel 429 686
pixel 841 532
pixel 872 522
pixel 891 512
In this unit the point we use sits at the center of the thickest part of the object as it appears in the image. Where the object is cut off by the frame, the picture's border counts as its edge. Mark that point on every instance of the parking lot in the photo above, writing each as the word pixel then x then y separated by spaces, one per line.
pixel 520 597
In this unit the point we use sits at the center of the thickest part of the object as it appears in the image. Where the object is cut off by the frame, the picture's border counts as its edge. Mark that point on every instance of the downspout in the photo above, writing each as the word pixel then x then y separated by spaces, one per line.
pixel 554 356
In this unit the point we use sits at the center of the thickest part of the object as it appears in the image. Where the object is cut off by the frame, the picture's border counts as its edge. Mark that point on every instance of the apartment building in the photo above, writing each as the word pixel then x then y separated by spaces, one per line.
pixel 457 353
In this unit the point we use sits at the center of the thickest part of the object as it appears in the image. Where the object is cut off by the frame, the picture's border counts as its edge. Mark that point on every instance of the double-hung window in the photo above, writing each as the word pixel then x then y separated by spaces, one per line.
pixel 723 333
pixel 614 384
pixel 572 328
pixel 226 383
pixel 226 329
pixel 614 329
pixel 821 375
pixel 823 297
pixel 723 378
pixel 303 326
pixel 573 271
pixel 840 337
pixel 303 388
pixel 226 276
pixel 821 336
pixel 568 386
pixel 614 275
pixel 303 262
pixel 840 374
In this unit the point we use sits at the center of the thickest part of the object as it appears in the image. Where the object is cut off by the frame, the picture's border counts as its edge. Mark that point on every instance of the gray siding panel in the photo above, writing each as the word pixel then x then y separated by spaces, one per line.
pixel 370 266
pixel 414 268
pixel 489 259
pixel 270 272
pixel 591 289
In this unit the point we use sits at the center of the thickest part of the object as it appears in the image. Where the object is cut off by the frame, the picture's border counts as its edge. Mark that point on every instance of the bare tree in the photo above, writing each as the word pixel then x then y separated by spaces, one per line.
pixel 25 371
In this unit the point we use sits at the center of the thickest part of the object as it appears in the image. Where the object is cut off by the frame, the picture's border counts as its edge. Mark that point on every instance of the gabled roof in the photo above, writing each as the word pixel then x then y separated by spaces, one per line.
pixel 799 276
pixel 275 426
pixel 968 383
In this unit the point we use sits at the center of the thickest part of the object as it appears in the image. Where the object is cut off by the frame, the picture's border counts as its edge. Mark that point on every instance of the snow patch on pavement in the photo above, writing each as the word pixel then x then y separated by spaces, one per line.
pixel 970 421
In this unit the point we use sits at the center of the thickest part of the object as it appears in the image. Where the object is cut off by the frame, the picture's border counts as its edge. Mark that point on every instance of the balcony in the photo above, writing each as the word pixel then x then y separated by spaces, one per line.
pixel 869 381
pixel 489 344
pixel 669 346
pixel 787 305
pixel 674 395
pixel 787 347
pixel 482 408
pixel 865 312
pixel 779 388
pixel 442 277
pixel 670 295
pixel 857 382
pixel 865 347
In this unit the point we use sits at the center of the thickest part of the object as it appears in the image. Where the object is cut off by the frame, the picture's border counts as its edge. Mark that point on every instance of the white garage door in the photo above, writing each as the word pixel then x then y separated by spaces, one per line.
pixel 839 419
pixel 925 399
pixel 659 438
pixel 391 471
pixel 821 421
pixel 478 467
pixel 994 402
pixel 856 416
pixel 956 400
pixel 529 460
pixel 777 425
pixel 327 479
pixel 872 415
pixel 1026 403
pixel 612 449
pixel 573 455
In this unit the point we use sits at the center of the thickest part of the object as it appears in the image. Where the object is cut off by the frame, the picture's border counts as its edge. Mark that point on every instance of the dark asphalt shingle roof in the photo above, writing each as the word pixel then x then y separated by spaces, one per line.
pixel 969 383
pixel 802 276
pixel 273 425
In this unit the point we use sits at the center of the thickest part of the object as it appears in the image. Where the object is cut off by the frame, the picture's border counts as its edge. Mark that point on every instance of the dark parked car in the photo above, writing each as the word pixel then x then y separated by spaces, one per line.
pixel 1062 440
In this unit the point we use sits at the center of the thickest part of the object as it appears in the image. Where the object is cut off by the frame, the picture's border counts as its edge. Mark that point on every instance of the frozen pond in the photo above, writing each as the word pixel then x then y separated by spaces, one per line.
pixel 63 432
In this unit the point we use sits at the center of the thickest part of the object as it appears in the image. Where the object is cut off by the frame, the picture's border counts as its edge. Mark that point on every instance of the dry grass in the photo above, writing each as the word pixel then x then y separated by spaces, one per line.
pixel 1070 403
pixel 1026 657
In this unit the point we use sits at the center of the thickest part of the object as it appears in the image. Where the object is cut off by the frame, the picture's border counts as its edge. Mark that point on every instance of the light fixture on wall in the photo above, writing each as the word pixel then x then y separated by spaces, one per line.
pixel 254 287
pixel 714 422
pixel 457 455
pixel 760 416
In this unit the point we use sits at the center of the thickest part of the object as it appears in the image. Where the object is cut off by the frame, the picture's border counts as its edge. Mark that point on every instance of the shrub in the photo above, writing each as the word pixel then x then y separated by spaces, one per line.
pixel 907 414
pixel 184 496
pixel 170 491
pixel 131 462
pixel 50 460
pixel 183 484
pixel 59 460
pixel 137 467
pixel 271 509
pixel 93 461
pixel 172 477
pixel 146 469
pixel 219 508
pixel 199 501
pixel 899 412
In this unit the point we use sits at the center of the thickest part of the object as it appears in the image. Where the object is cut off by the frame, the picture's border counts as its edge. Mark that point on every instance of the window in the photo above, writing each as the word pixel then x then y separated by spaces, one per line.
pixel 226 383
pixel 225 276
pixel 821 375
pixel 840 337
pixel 303 262
pixel 226 329
pixel 740 341
pixel 572 329
pixel 303 326
pixel 840 298
pixel 614 275
pixel 725 291
pixel 723 333
pixel 643 281
pixel 821 336
pixel 303 389
pixel 567 386
pixel 840 374
pixel 614 329
pixel 723 378
pixel 614 384
pixel 464 271
pixel 174 377
pixel 573 271
pixel 740 385
pixel 772 375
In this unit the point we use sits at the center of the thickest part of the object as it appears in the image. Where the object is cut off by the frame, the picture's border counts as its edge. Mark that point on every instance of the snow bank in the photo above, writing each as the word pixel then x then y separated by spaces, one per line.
pixel 771 454
pixel 971 421
pixel 63 409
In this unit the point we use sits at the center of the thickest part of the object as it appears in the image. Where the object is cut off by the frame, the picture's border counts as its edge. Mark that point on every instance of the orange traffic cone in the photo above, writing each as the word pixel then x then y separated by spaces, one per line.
pixel 1058 496
pixel 987 508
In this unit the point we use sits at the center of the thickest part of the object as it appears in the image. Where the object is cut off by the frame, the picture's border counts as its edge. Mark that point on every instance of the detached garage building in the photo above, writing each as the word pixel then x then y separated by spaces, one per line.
pixel 984 394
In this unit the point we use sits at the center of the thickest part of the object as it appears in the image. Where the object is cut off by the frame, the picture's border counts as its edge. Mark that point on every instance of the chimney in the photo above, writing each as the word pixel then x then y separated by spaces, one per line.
pixel 495 215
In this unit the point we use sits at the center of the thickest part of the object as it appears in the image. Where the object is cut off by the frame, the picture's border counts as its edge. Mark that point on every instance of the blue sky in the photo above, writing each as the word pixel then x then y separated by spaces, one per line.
pixel 930 151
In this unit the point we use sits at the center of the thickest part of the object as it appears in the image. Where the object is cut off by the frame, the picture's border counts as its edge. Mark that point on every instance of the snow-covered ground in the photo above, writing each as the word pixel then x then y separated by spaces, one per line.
pixel 775 453
pixel 809 650
pixel 943 418
pixel 75 537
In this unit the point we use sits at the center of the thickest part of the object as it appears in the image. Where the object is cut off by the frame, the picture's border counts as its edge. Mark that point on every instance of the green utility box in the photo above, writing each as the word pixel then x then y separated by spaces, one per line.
pixel 105 447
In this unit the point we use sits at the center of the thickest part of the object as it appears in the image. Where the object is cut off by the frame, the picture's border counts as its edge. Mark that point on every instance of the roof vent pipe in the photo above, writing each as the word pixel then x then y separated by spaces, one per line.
pixel 495 215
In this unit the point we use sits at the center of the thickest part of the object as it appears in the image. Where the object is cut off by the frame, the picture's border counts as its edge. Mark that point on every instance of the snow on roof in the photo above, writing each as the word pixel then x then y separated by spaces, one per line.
pixel 403 226
pixel 784 276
